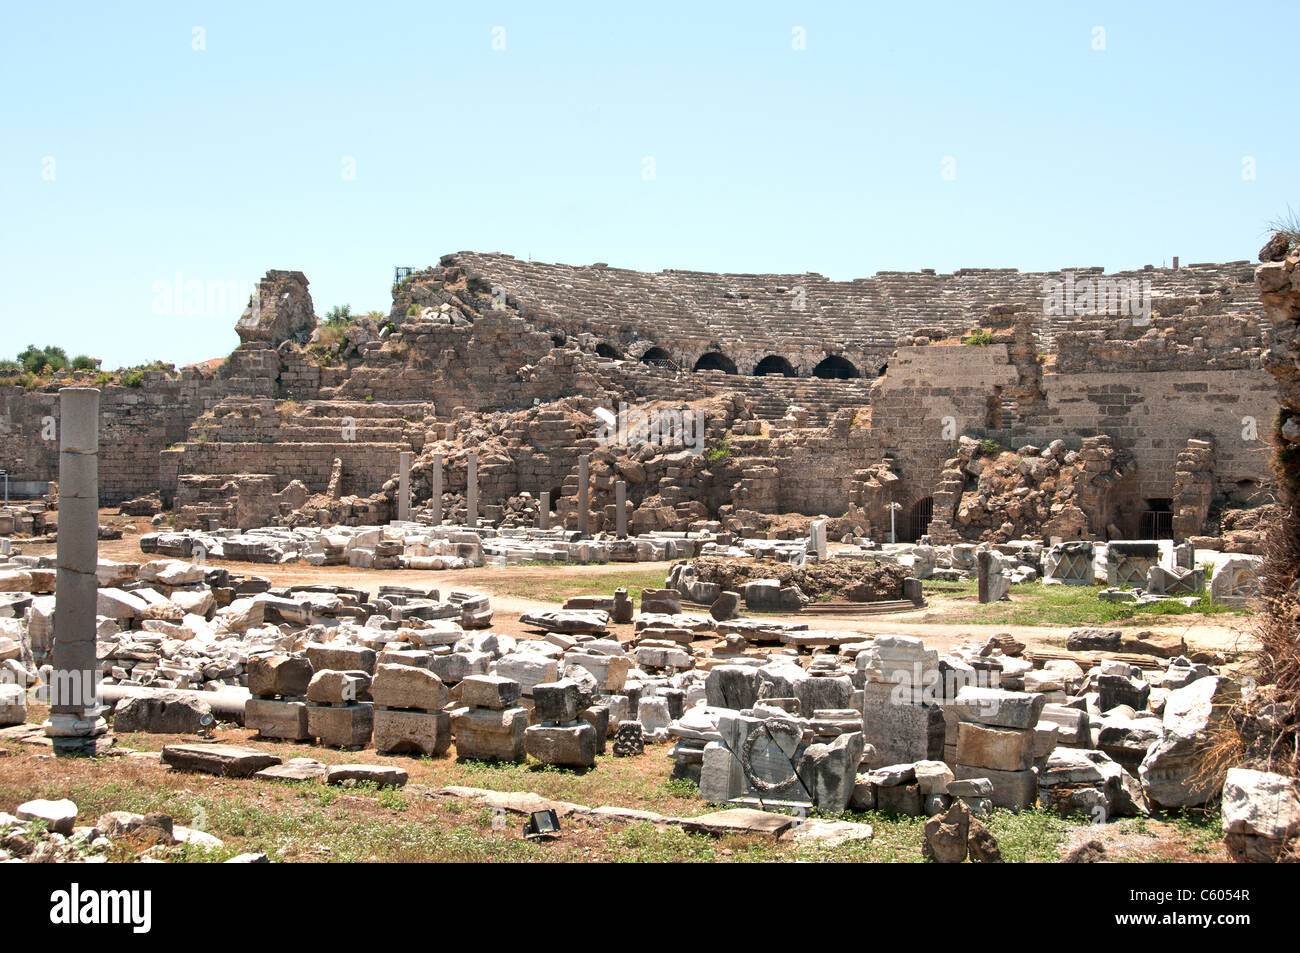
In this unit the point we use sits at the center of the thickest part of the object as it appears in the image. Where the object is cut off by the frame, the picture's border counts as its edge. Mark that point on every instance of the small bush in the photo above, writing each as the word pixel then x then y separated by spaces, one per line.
pixel 720 452
pixel 980 337
pixel 990 448
pixel 339 315
pixel 132 378
pixel 84 362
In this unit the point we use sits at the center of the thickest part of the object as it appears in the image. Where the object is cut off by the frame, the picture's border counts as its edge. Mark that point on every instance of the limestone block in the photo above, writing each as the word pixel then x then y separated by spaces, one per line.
pixel 570 746
pixel 344 726
pixel 286 720
pixel 489 735
pixel 412 732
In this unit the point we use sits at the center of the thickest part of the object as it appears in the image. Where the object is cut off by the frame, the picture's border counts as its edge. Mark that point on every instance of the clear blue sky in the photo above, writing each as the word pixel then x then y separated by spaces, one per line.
pixel 217 164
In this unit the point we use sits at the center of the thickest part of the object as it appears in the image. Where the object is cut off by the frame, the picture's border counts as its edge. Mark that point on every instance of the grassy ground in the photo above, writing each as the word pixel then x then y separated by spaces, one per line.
pixel 312 822
pixel 1033 603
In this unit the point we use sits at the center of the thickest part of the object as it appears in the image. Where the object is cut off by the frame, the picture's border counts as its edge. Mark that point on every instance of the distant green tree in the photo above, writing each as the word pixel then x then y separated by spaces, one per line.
pixel 36 360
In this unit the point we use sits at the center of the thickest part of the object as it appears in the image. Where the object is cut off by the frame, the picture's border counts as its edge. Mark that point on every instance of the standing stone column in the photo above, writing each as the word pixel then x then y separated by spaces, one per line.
pixel 817 538
pixel 435 478
pixel 620 509
pixel 74 682
pixel 404 486
pixel 584 494
pixel 544 513
pixel 471 489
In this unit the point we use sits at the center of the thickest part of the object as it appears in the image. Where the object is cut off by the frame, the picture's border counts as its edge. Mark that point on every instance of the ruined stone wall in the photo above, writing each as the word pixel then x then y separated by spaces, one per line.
pixel 136 425
pixel 803 318
pixel 1149 416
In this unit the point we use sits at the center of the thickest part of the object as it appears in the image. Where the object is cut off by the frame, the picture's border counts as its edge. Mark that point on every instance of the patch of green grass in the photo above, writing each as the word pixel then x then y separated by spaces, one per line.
pixel 1200 829
pixel 1034 603
pixel 643 843
pixel 1029 837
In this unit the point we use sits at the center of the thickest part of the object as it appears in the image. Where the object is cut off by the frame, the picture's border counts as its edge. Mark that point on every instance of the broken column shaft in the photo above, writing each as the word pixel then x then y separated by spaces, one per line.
pixel 584 494
pixel 74 682
pixel 435 478
pixel 471 489
pixel 404 486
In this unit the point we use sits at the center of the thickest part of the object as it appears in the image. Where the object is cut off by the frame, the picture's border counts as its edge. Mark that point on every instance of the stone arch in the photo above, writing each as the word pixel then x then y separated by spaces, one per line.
pixel 775 364
pixel 917 522
pixel 605 349
pixel 836 367
pixel 657 355
pixel 715 361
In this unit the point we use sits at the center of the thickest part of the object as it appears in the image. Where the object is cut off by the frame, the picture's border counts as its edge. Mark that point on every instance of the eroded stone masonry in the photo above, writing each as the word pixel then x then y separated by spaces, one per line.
pixel 1109 421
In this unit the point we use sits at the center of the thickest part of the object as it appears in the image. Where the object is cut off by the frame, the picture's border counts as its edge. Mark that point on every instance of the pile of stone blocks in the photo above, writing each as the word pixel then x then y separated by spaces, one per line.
pixel 277 708
pixel 562 737
pixel 408 715
pixel 996 740
pixel 901 717
pixel 340 713
pixel 1171 772
pixel 1074 781
pixel 490 724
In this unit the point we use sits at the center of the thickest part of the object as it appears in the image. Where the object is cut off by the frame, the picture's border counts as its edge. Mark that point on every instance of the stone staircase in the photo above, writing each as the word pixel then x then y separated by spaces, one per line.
pixel 288 441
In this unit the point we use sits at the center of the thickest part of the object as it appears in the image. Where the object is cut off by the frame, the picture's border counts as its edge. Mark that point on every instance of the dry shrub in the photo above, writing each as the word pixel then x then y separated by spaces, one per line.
pixel 1264 730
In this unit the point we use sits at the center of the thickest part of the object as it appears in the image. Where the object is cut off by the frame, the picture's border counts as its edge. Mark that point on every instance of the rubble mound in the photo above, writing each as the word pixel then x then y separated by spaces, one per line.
pixel 852 581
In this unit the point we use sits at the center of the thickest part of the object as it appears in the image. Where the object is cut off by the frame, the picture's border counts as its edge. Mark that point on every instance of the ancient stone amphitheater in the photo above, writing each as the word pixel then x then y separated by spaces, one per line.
pixel 841 398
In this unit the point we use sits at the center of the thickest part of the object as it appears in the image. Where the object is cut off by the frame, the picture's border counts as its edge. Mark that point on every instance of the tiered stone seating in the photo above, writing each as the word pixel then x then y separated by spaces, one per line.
pixel 292 441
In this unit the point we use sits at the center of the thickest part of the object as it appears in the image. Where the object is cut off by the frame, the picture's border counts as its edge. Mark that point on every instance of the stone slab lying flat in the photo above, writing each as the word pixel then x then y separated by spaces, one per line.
pixel 59 816
pixel 828 833
pixel 631 814
pixel 517 802
pixel 295 769
pixel 740 820
pixel 230 761
pixel 381 774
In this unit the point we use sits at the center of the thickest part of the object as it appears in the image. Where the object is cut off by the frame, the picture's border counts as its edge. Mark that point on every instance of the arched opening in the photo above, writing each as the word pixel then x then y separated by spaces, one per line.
pixel 1157 520
pixel 918 520
pixel 607 350
pixel 835 368
pixel 775 364
pixel 558 338
pixel 715 361
pixel 883 368
pixel 659 357
pixel 553 501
